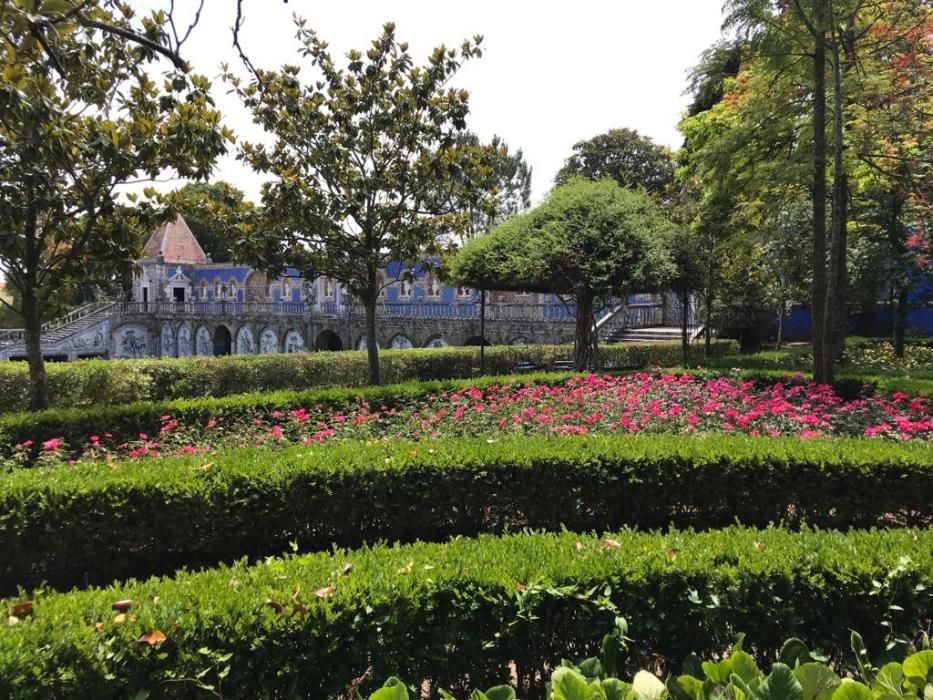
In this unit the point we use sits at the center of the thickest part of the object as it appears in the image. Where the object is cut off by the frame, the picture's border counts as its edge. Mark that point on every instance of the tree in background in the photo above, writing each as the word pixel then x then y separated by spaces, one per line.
pixel 838 40
pixel 368 163
pixel 80 114
pixel 217 214
pixel 588 241
pixel 509 180
pixel 632 160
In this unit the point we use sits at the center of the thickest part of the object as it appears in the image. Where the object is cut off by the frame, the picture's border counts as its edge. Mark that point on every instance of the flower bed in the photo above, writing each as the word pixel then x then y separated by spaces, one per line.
pixel 637 403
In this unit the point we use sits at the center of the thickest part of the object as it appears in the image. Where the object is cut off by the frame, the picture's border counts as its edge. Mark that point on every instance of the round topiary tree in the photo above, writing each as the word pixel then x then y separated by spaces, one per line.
pixel 588 241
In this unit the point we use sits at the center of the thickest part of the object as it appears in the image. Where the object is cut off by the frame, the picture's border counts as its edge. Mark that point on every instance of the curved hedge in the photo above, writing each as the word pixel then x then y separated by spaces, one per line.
pixel 467 612
pixel 93 523
pixel 95 383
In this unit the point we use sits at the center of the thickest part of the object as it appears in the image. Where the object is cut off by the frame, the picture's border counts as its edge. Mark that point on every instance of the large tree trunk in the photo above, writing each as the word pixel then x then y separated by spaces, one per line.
pixel 372 345
pixel 900 320
pixel 38 378
pixel 585 342
pixel 818 191
pixel 707 323
pixel 834 336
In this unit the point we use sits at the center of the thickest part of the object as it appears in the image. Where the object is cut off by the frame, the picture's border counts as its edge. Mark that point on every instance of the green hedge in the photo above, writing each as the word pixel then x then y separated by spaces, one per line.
pixel 93 523
pixel 466 612
pixel 94 383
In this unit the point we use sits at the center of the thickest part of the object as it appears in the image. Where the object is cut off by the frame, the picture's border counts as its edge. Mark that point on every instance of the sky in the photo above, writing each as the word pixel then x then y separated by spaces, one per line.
pixel 551 74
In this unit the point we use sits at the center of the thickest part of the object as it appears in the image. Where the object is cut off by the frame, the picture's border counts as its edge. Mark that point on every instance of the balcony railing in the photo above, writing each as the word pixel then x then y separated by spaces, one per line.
pixel 635 316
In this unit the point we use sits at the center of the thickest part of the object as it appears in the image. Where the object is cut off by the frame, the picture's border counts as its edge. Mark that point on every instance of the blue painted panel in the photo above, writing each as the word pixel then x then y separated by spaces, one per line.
pixel 919 322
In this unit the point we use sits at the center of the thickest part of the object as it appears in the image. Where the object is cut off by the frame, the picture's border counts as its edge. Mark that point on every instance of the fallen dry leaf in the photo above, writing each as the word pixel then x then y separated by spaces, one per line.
pixel 347 568
pixel 609 544
pixel 22 609
pixel 12 620
pixel 123 605
pixel 119 619
pixel 672 553
pixel 325 592
pixel 299 608
pixel 579 546
pixel 274 605
pixel 99 626
pixel 153 638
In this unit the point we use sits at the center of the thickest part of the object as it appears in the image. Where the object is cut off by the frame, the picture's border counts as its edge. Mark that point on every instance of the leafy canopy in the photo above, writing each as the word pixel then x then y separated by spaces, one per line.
pixel 588 239
pixel 632 160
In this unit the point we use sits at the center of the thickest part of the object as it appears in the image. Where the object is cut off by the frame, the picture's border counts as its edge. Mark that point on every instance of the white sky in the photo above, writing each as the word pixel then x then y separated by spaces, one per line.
pixel 551 74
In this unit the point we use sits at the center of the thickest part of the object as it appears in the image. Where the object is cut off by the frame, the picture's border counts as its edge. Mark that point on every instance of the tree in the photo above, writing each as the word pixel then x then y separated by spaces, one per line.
pixel 834 36
pixel 624 155
pixel 588 241
pixel 366 161
pixel 509 179
pixel 215 212
pixel 80 115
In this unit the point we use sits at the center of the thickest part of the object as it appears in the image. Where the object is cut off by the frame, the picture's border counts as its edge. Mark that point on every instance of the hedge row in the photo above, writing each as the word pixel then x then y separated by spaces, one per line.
pixel 93 523
pixel 467 612
pixel 94 383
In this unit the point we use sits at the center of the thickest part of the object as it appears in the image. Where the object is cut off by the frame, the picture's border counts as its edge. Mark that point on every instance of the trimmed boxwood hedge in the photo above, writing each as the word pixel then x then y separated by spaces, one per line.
pixel 93 523
pixel 95 383
pixel 466 612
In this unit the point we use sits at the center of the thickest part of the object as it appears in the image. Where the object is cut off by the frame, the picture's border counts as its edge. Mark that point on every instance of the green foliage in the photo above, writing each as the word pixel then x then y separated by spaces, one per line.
pixel 366 163
pixel 632 160
pixel 466 612
pixel 588 239
pixel 102 383
pixel 802 677
pixel 58 524
pixel 82 115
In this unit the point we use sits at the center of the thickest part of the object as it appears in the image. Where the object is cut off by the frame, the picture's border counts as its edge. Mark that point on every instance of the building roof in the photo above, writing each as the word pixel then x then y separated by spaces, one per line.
pixel 174 243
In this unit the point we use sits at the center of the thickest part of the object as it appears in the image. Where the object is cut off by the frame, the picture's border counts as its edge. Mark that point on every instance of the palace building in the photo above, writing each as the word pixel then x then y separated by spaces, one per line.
pixel 183 304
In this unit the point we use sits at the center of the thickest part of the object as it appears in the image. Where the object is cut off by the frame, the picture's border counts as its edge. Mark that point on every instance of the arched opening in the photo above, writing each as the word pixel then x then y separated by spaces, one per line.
pixel 327 340
pixel 520 340
pixel 400 342
pixel 476 340
pixel 222 341
pixel 437 342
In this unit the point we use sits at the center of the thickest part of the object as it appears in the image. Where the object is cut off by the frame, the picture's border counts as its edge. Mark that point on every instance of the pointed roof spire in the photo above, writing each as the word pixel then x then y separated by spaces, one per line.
pixel 174 243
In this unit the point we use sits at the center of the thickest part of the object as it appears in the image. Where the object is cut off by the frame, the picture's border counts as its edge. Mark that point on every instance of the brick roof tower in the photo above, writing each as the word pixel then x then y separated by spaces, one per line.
pixel 173 244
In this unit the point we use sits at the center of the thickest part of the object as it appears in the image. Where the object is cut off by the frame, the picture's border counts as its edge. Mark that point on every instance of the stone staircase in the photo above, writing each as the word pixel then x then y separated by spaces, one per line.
pixel 654 334
pixel 55 332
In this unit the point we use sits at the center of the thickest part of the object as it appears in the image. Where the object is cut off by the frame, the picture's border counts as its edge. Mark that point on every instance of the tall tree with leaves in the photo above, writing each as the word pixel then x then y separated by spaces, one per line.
pixel 80 114
pixel 588 241
pixel 368 163
pixel 632 160
pixel 833 36
pixel 509 180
